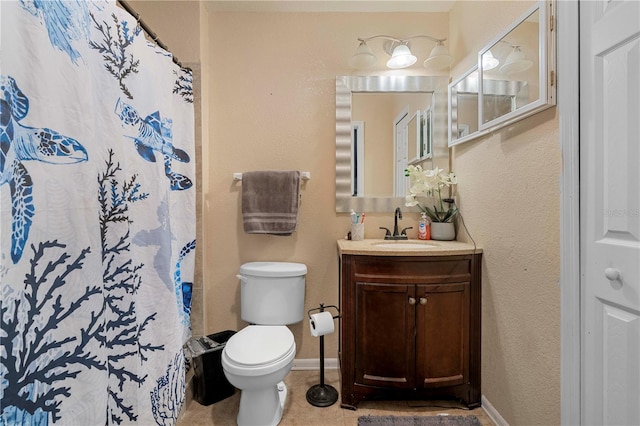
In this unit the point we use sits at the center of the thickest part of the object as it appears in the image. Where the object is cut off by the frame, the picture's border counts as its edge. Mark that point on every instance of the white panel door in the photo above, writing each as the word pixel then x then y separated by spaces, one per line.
pixel 610 209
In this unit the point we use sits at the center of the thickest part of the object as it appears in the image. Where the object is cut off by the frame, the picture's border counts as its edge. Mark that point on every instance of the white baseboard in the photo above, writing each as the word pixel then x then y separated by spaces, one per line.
pixel 314 364
pixel 492 412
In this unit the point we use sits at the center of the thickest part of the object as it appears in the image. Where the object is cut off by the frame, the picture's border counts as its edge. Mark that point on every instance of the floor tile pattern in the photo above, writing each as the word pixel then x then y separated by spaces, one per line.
pixel 298 412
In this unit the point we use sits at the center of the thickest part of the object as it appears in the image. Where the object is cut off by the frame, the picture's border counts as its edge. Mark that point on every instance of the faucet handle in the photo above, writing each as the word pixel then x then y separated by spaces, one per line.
pixel 388 232
pixel 404 231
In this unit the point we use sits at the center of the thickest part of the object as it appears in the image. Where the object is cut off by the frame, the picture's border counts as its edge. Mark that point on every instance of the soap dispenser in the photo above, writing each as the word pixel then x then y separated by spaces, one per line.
pixel 424 230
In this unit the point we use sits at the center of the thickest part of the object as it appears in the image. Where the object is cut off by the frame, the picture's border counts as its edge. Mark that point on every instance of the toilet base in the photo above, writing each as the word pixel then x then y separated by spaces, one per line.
pixel 262 407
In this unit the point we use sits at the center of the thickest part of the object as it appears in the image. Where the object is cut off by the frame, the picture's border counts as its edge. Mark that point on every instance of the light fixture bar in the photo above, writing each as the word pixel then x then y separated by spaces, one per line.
pixel 402 40
pixel 400 52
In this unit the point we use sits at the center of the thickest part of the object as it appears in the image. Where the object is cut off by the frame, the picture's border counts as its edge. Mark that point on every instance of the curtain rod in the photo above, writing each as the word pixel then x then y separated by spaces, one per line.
pixel 126 6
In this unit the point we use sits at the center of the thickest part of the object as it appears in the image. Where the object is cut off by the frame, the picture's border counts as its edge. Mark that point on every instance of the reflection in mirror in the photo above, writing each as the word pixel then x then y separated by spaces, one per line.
pixel 463 107
pixel 500 97
pixel 357 158
pixel 505 88
pixel 392 123
pixel 513 70
pixel 413 139
pixel 426 134
pixel 515 78
pixel 367 166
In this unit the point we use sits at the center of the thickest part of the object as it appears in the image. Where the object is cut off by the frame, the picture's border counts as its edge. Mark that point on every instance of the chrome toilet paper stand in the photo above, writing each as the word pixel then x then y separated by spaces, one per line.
pixel 322 395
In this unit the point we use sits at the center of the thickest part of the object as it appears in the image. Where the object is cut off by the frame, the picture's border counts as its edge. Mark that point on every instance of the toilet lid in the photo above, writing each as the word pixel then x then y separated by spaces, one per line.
pixel 274 269
pixel 260 344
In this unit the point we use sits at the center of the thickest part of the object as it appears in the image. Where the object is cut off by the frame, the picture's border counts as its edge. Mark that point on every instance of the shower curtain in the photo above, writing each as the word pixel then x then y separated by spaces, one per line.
pixel 97 217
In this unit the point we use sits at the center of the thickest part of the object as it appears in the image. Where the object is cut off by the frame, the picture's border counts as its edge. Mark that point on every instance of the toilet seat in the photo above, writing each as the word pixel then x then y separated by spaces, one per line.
pixel 259 349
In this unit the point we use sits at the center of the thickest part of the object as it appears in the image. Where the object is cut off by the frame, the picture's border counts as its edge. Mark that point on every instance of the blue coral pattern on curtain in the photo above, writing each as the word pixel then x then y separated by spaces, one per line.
pixel 97 217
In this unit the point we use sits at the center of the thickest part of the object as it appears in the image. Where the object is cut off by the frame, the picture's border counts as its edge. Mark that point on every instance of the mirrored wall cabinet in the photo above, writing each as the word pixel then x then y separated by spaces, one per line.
pixel 463 107
pixel 514 78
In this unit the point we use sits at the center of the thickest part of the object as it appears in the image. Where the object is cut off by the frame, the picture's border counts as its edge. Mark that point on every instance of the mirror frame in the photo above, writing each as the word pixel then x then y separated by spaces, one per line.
pixel 547 74
pixel 453 115
pixel 345 87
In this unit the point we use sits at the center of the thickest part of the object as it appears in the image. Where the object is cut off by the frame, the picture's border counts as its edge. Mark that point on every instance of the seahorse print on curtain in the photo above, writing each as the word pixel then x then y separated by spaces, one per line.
pixel 96 131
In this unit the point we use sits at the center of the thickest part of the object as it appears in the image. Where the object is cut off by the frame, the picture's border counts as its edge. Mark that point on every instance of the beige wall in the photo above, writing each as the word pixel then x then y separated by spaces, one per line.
pixel 508 193
pixel 176 23
pixel 273 107
pixel 268 103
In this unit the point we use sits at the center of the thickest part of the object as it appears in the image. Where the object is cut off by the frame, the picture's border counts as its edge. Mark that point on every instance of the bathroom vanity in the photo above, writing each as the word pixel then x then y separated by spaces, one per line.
pixel 410 320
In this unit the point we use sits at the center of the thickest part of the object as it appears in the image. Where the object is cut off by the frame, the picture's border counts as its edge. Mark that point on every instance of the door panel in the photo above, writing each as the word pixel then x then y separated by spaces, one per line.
pixel 610 208
pixel 442 323
pixel 385 335
pixel 621 355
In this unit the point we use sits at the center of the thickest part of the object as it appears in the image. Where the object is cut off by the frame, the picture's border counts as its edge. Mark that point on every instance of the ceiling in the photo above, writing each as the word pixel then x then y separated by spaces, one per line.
pixel 329 5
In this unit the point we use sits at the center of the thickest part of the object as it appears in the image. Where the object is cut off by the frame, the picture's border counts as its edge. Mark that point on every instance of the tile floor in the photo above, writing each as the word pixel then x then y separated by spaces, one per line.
pixel 298 412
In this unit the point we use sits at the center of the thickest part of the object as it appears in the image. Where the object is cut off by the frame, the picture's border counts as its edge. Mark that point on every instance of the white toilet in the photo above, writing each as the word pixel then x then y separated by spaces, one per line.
pixel 257 358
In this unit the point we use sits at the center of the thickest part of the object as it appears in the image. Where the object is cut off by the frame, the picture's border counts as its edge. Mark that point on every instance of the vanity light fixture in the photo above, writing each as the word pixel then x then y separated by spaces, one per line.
pixel 400 52
pixel 439 58
pixel 489 61
pixel 401 57
pixel 364 57
pixel 515 62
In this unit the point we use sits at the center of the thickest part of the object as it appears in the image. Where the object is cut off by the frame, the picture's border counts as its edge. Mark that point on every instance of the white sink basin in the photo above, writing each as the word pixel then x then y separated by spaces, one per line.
pixel 404 245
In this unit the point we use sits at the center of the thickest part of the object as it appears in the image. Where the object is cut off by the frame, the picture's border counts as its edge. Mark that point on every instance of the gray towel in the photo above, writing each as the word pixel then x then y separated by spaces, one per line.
pixel 270 202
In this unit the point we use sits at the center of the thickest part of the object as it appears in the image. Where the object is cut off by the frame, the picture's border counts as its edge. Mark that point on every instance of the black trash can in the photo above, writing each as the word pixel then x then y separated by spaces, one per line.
pixel 210 385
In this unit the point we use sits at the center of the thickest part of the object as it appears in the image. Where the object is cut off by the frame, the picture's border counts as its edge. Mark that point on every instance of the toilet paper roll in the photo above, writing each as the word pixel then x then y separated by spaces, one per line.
pixel 321 324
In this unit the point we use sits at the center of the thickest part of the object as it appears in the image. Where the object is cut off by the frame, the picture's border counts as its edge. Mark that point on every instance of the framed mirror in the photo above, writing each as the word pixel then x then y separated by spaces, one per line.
pixel 515 75
pixel 367 171
pixel 463 107
pixel 515 69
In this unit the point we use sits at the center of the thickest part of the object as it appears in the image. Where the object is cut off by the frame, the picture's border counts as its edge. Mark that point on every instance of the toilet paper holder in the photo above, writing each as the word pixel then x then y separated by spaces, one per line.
pixel 321 308
pixel 322 395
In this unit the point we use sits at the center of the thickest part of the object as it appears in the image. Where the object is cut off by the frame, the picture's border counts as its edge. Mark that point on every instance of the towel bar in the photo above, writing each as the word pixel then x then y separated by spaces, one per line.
pixel 303 176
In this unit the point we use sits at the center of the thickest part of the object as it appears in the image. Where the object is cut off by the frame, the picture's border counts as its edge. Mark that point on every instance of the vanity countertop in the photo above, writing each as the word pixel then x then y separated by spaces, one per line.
pixel 380 247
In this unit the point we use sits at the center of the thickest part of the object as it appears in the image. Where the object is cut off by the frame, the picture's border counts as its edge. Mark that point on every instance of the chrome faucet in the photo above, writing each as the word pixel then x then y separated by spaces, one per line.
pixel 396 235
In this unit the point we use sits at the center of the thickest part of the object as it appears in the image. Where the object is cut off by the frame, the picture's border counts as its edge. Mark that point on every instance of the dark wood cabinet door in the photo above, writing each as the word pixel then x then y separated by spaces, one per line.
pixel 442 340
pixel 385 335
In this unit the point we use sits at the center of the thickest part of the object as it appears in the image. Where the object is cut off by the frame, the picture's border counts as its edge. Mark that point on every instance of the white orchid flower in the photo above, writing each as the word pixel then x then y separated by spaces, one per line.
pixel 410 201
pixel 429 183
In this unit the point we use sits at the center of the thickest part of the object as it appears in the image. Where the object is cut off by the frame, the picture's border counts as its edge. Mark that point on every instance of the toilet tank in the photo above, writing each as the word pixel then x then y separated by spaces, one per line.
pixel 272 293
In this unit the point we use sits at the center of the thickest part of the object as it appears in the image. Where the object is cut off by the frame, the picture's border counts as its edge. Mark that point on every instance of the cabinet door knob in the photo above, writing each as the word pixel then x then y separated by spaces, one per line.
pixel 412 301
pixel 423 300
